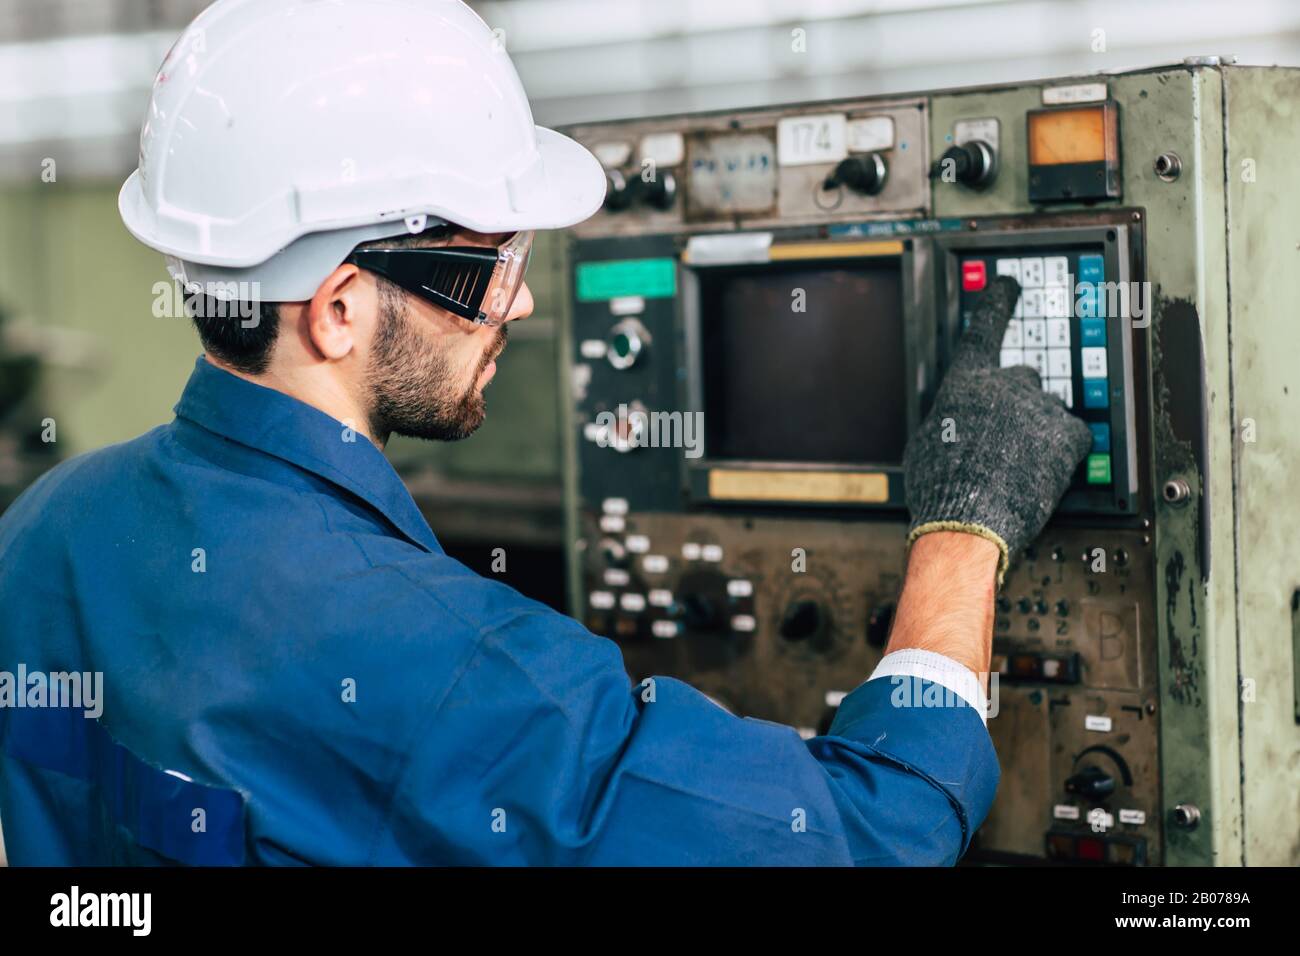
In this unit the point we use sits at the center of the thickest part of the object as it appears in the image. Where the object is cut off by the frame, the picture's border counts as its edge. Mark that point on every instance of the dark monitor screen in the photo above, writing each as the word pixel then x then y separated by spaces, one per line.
pixel 825 384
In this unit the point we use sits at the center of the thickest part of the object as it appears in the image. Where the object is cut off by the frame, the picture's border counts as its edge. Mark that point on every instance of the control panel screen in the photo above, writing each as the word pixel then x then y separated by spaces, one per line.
pixel 1059 328
pixel 804 363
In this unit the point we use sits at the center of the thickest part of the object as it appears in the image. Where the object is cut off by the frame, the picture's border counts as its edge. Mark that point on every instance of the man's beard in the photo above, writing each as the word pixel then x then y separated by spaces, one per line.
pixel 414 390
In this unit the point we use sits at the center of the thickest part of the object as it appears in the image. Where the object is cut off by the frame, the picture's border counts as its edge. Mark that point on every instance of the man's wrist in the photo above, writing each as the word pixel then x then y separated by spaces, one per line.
pixel 919 532
pixel 947 601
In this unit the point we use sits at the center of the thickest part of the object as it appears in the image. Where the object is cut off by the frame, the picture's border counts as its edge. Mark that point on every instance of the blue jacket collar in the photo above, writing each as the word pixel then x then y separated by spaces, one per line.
pixel 280 425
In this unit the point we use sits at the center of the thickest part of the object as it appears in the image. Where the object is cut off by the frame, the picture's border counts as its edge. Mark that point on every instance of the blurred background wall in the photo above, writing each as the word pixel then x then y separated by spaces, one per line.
pixel 74 80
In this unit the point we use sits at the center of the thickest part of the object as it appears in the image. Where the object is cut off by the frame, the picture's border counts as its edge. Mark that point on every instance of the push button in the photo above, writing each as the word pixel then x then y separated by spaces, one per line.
pixel 1092 332
pixel 1063 389
pixel 1095 393
pixel 1094 362
pixel 1009 267
pixel 1098 469
pixel 1058 333
pixel 1100 436
pixel 1056 271
pixel 1031 273
pixel 1091 268
pixel 1091 305
pixel 974 275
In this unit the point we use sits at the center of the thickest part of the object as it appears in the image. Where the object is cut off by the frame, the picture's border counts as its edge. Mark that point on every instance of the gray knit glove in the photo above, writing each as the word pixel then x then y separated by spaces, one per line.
pixel 996 452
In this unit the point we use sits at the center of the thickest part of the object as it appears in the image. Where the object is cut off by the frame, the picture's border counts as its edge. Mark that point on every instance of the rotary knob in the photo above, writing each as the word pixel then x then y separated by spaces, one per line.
pixel 974 164
pixel 864 174
pixel 661 191
pixel 619 191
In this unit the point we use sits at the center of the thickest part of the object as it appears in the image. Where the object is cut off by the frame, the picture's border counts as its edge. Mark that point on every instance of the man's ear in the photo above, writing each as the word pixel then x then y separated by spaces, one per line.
pixel 334 313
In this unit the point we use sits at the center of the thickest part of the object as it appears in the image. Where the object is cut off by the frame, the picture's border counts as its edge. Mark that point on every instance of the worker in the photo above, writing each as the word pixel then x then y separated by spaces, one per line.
pixel 293 670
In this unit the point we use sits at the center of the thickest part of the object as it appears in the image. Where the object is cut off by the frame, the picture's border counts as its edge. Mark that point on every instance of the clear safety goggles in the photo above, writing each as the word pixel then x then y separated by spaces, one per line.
pixel 475 282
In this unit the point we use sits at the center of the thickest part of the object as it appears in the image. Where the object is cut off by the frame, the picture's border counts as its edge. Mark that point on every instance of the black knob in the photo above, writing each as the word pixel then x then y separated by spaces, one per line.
pixel 879 622
pixel 863 174
pixel 619 190
pixel 973 164
pixel 700 613
pixel 661 191
pixel 1091 783
pixel 802 620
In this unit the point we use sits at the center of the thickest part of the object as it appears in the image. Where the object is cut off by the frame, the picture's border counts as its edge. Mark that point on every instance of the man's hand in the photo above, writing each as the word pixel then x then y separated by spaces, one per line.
pixel 996 452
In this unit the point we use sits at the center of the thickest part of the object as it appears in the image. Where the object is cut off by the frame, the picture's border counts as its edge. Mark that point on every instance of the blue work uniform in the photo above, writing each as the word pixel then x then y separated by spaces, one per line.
pixel 293 671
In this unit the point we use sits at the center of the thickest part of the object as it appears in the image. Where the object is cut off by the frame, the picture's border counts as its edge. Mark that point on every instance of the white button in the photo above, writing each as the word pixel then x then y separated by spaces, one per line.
pixel 1133 817
pixel 1056 271
pixel 1035 333
pixel 1012 339
pixel 660 597
pixel 836 697
pixel 1058 363
pixel 740 588
pixel 743 622
pixel 1012 357
pixel 711 552
pixel 632 602
pixel 1056 303
pixel 1058 333
pixel 1005 267
pixel 1031 273
pixel 614 506
pixel 616 577
pixel 655 563
pixel 592 348
pixel 1063 389
pixel 1064 811
pixel 1094 362
pixel 1033 303
pixel 1037 360
pixel 601 600
pixel 638 543
pixel 664 628
pixel 691 551
pixel 612 524
pixel 591 431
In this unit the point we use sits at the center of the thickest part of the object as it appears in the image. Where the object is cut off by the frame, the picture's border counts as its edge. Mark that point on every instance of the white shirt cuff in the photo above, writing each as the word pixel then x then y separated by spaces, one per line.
pixel 940 669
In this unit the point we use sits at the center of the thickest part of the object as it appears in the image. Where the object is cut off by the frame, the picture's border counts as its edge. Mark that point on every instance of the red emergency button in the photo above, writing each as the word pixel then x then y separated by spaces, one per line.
pixel 973 275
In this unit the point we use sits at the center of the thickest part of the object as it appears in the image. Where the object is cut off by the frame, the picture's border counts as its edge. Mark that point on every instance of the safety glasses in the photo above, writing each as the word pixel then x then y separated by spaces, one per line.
pixel 475 282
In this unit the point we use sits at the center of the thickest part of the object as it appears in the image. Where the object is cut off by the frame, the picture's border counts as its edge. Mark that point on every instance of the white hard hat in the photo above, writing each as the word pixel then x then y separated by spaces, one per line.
pixel 282 133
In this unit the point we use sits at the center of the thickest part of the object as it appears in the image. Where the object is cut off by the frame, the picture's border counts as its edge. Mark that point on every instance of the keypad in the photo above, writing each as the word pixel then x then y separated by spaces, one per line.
pixel 1059 329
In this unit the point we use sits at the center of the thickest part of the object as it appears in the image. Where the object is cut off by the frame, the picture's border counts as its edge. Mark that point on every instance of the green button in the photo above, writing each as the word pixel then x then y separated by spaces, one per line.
pixel 648 278
pixel 621 346
pixel 1099 469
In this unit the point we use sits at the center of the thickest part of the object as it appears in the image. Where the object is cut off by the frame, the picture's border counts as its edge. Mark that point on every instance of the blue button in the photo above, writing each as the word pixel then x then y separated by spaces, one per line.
pixel 1092 332
pixel 1100 436
pixel 1091 303
pixel 1091 268
pixel 1095 393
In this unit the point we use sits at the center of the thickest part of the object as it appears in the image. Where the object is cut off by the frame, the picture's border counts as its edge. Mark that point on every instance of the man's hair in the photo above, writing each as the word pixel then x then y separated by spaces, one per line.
pixel 243 334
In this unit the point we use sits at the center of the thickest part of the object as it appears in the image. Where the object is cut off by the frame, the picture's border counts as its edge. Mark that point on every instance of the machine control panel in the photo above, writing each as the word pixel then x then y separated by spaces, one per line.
pixel 748 362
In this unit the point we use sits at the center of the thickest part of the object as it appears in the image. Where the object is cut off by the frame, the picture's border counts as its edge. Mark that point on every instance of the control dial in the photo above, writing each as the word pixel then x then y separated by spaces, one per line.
pixel 974 164
pixel 864 174
pixel 627 340
pixel 1091 783
pixel 619 191
pixel 661 191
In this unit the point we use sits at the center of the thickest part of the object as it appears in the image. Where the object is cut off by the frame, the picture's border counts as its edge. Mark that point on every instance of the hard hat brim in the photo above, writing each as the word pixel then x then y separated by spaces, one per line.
pixel 569 189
